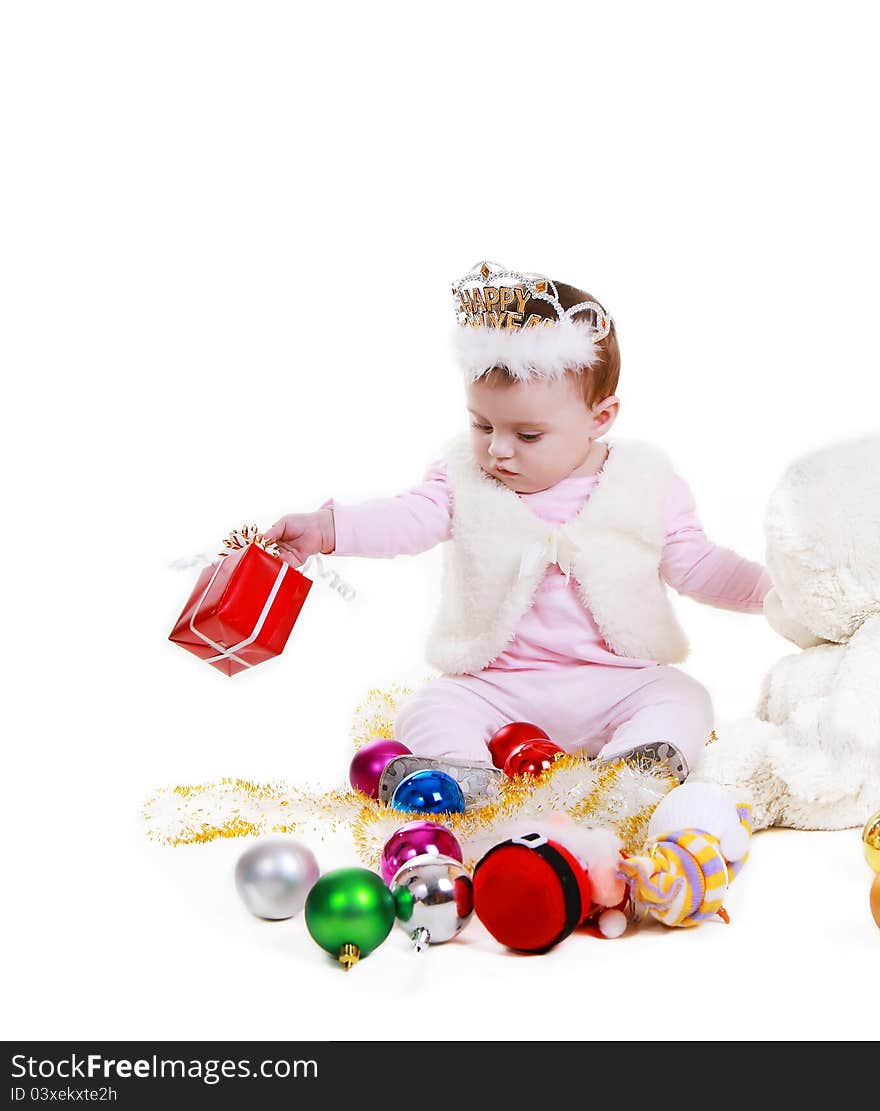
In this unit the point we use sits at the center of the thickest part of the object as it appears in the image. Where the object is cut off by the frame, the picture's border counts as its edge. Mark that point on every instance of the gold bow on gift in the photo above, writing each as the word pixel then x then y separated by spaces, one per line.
pixel 243 537
pixel 237 539
pixel 558 548
pixel 314 565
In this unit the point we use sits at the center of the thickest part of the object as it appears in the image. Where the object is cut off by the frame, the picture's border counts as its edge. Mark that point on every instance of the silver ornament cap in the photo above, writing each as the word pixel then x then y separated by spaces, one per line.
pixel 274 876
pixel 434 898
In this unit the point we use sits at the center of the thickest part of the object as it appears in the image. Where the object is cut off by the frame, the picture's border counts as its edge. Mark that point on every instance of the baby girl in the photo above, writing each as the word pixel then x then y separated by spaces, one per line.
pixel 553 607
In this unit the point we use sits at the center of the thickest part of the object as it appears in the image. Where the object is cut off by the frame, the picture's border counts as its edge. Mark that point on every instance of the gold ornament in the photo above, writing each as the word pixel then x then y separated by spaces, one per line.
pixel 871 841
pixel 875 898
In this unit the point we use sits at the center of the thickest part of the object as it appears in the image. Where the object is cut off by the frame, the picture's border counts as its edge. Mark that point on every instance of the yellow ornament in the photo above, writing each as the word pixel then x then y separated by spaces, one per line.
pixel 871 841
pixel 875 899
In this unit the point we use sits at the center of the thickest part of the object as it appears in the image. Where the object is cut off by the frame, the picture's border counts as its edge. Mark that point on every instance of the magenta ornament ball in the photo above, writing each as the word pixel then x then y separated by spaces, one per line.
pixel 369 763
pixel 416 839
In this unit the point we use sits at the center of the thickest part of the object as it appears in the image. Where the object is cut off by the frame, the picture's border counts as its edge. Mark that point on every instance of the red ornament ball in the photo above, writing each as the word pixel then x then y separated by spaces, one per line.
pixel 530 893
pixel 531 758
pixel 509 736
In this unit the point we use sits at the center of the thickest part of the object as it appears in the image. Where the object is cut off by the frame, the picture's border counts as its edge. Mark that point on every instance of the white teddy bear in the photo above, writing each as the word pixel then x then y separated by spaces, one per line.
pixel 811 758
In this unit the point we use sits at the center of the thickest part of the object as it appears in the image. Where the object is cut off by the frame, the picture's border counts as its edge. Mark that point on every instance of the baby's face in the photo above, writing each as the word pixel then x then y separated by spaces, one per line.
pixel 531 435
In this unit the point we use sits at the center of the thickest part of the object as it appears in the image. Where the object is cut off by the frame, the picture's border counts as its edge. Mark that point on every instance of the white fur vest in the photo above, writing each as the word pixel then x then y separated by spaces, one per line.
pixel 500 550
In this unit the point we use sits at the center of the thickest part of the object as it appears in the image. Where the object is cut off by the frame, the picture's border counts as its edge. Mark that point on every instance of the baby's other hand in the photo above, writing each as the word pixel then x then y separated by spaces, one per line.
pixel 300 535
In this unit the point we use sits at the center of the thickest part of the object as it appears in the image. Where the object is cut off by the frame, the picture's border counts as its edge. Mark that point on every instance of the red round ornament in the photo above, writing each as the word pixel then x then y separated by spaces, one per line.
pixel 509 736
pixel 530 893
pixel 531 758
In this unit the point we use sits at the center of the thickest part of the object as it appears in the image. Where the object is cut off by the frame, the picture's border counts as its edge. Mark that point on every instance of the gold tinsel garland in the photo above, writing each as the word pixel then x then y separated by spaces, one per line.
pixel 615 796
pixel 375 716
pixel 619 797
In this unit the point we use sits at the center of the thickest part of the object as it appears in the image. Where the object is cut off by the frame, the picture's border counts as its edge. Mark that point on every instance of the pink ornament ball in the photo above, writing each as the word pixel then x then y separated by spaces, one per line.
pixel 369 762
pixel 416 839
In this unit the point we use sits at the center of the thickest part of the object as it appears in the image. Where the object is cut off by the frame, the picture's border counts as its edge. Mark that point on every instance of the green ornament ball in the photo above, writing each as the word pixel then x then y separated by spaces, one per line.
pixel 349 912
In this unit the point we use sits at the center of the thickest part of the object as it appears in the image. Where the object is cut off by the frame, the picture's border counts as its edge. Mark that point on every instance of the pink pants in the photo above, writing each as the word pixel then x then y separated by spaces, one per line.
pixel 585 707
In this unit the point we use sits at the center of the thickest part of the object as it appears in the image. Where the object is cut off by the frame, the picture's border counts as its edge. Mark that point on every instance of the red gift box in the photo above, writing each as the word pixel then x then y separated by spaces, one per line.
pixel 242 610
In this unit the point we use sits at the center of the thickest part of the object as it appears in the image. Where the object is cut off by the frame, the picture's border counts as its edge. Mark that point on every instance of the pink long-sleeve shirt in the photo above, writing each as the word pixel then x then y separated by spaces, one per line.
pixel 557 629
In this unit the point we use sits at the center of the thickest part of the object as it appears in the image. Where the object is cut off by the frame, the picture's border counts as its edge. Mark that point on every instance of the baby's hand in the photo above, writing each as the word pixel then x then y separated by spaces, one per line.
pixel 300 535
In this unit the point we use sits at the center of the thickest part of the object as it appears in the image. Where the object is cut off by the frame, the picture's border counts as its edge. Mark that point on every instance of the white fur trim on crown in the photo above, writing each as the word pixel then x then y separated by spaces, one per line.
pixel 545 351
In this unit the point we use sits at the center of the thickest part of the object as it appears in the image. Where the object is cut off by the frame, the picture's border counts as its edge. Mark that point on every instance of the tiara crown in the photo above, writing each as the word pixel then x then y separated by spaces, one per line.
pixel 500 327
pixel 491 296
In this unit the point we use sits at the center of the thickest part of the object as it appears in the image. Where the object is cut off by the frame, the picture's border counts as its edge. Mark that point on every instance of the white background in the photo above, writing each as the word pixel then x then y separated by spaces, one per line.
pixel 228 237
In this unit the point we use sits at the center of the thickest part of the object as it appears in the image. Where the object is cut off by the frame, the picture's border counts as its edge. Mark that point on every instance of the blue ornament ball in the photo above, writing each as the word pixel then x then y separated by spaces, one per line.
pixel 429 792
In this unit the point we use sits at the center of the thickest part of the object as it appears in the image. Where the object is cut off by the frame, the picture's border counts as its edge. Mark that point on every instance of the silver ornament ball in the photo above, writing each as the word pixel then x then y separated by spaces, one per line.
pixel 434 898
pixel 274 876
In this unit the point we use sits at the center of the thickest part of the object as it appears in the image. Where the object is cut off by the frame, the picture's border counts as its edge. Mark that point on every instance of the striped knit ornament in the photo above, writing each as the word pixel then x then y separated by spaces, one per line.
pixel 683 878
pixel 744 813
